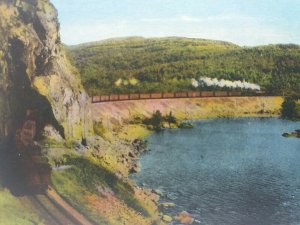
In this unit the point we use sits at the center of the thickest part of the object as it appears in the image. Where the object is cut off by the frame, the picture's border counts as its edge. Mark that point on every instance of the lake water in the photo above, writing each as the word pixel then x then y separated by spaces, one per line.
pixel 227 171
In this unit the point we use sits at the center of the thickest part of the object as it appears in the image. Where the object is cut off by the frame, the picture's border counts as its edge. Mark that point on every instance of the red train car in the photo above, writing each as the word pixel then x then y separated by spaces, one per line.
pixel 134 96
pixel 123 97
pixel 249 93
pixel 38 173
pixel 168 95
pixel 104 98
pixel 181 95
pixel 207 94
pixel 221 94
pixel 156 95
pixel 234 93
pixel 145 96
pixel 96 99
pixel 114 97
pixel 194 94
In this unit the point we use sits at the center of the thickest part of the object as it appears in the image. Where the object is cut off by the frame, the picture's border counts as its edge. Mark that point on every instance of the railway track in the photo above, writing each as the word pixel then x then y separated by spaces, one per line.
pixel 51 208
pixel 46 211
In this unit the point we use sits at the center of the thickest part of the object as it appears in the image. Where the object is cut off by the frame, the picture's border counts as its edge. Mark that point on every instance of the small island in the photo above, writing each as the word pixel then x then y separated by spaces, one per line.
pixel 295 134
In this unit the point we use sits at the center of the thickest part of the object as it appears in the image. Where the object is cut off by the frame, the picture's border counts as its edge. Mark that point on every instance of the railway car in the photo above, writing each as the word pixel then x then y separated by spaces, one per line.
pixel 123 97
pixel 104 98
pixel 134 96
pixel 168 95
pixel 96 98
pixel 114 97
pixel 194 94
pixel 181 95
pixel 156 95
pixel 38 173
pixel 207 94
pixel 249 93
pixel 220 94
pixel 145 96
pixel 234 93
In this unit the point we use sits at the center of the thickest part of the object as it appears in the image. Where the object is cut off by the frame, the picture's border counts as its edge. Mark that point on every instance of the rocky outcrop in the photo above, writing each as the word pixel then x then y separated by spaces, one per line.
pixel 35 74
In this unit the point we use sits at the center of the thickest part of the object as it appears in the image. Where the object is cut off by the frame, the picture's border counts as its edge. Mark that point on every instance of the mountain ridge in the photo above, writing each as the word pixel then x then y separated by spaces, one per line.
pixel 129 38
pixel 133 38
pixel 168 64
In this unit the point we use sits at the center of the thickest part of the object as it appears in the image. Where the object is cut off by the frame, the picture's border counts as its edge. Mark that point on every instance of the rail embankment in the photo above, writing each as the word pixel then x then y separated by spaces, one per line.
pixel 117 113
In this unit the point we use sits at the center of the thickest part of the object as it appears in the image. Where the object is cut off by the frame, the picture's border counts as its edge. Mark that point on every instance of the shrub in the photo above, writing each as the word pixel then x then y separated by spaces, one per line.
pixel 290 109
pixel 170 119
pixel 99 128
pixel 156 121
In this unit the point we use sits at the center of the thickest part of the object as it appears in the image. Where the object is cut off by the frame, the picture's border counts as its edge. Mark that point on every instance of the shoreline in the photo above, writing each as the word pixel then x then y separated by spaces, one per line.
pixel 132 131
pixel 114 151
pixel 121 121
pixel 166 191
pixel 123 118
pixel 128 129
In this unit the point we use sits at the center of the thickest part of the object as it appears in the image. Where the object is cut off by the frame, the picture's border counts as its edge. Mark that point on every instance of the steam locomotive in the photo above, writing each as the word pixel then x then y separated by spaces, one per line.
pixel 34 167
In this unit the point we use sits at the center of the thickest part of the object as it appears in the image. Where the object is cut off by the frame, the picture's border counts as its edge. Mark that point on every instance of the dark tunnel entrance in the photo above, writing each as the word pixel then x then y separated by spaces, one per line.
pixel 23 170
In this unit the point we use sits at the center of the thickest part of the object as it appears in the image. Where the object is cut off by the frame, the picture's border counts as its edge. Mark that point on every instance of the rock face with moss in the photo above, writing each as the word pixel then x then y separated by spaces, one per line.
pixel 35 75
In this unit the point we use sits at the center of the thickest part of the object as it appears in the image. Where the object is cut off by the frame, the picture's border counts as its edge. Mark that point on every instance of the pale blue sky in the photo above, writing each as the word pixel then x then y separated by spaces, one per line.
pixel 249 22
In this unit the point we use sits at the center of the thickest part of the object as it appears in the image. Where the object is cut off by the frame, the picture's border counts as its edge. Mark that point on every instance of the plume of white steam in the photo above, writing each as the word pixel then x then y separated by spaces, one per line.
pixel 214 82
pixel 195 83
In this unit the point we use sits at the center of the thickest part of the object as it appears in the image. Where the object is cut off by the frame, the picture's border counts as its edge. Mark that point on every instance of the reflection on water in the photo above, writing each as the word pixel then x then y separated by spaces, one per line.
pixel 228 171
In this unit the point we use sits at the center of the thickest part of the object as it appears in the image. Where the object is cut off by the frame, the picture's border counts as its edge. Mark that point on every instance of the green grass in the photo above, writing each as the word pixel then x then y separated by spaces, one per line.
pixel 99 128
pixel 83 178
pixel 70 188
pixel 12 212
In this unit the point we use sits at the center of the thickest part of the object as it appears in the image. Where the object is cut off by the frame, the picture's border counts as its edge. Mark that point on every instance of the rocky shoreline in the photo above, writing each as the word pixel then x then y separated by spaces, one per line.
pixel 121 123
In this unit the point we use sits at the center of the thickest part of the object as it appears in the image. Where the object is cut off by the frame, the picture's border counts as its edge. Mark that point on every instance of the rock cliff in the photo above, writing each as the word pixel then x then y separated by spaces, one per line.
pixel 35 75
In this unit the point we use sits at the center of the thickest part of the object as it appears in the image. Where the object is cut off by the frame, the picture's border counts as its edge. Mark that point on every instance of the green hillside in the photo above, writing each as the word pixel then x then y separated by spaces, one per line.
pixel 168 64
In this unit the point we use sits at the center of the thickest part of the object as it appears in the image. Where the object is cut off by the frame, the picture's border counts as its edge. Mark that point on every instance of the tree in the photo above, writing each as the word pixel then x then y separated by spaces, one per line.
pixel 157 120
pixel 289 108
pixel 166 65
pixel 170 119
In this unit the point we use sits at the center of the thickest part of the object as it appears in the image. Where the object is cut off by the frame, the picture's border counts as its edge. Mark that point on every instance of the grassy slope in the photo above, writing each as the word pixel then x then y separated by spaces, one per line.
pixel 101 196
pixel 14 212
pixel 167 64
pixel 97 183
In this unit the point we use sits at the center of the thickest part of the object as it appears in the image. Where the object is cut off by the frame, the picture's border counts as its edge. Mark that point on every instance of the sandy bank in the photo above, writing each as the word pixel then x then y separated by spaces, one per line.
pixel 117 113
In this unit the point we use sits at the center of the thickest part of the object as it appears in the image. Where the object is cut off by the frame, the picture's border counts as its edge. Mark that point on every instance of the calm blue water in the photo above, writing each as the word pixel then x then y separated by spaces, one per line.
pixel 228 171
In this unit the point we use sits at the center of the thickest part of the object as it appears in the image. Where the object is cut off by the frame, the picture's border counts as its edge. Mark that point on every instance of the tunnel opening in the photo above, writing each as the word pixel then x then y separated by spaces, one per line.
pixel 24 171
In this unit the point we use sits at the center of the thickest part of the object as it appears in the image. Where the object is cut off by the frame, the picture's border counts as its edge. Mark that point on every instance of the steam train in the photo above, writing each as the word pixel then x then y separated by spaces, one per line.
pixel 34 167
pixel 170 95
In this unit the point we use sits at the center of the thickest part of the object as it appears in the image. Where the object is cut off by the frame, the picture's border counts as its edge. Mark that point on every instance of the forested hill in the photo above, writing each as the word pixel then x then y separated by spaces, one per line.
pixel 168 64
